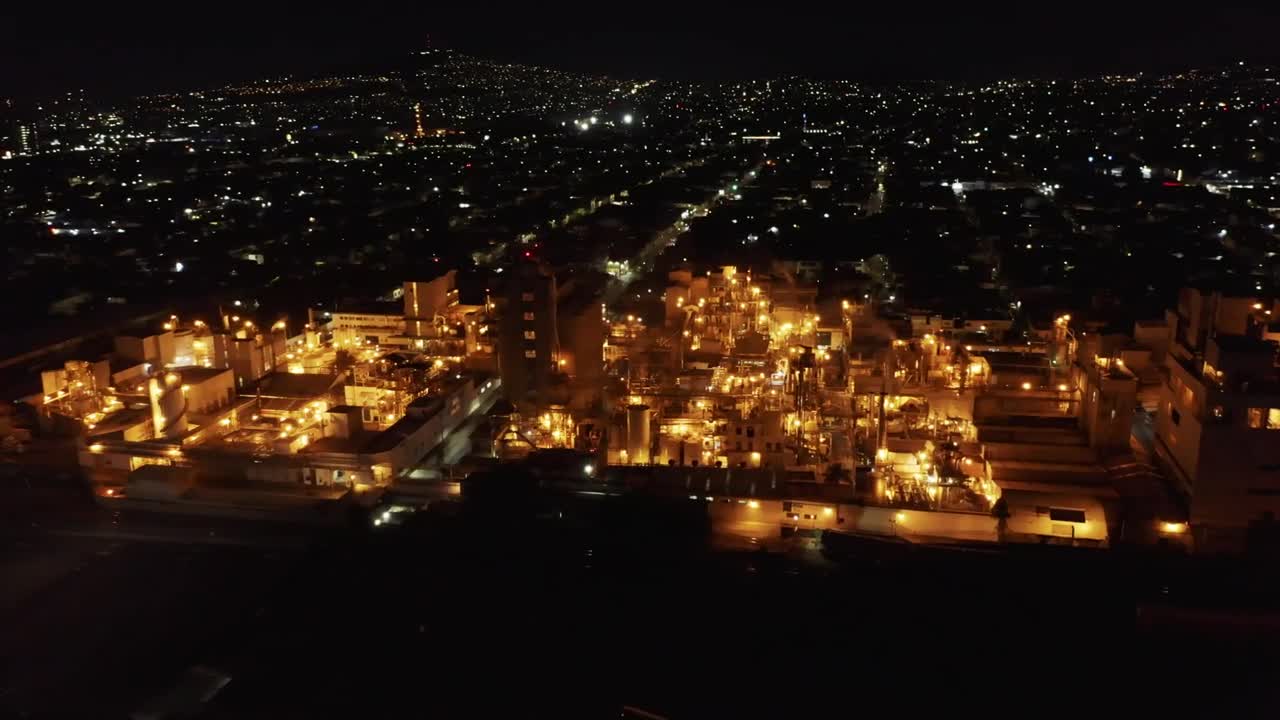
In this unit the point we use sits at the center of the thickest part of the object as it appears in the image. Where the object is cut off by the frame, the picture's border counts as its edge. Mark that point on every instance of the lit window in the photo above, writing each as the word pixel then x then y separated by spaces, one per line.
pixel 530 335
pixel 529 316
pixel 1255 418
pixel 531 353
pixel 527 297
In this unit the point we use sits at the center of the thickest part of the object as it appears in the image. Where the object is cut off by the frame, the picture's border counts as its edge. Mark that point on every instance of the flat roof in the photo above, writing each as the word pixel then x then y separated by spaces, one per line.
pixel 396 434
pixel 199 374
pixel 291 385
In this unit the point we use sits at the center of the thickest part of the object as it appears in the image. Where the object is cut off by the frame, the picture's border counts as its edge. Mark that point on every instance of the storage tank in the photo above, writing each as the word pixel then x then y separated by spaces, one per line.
pixel 168 406
pixel 638 434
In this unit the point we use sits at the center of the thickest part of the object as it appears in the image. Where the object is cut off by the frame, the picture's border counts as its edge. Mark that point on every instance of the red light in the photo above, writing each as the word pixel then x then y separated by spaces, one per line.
pixel 467 165
pixel 1170 183
pixel 528 254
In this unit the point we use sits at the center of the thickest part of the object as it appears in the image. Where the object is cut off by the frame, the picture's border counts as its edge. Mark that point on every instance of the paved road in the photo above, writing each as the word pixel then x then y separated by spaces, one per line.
pixel 664 238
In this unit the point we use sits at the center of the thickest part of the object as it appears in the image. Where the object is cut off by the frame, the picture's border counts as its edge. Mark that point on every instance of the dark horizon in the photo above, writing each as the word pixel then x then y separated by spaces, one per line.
pixel 118 57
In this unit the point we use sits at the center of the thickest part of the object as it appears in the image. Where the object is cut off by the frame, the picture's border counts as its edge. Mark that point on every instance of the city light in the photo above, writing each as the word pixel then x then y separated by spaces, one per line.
pixel 475 265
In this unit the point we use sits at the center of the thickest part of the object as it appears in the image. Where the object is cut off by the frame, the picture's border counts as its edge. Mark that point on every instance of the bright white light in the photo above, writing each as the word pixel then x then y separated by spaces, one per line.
pixel 594 120
pixel 178 267
pixel 589 469
pixel 627 119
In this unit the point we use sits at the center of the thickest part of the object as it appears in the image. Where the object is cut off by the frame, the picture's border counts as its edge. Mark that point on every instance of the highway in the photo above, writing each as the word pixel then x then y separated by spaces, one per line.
pixel 595 204
pixel 667 237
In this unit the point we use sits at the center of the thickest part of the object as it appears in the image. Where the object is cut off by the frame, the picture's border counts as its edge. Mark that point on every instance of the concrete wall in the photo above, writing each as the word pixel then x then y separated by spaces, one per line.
pixel 1238 476
pixel 352 327
pixel 1029 515
pixel 1106 412
pixel 1155 337
pixel 424 300
pixel 766 518
pixel 155 349
pixel 1065 454
pixel 994 406
pixel 210 394
pixel 1029 435
pixel 1181 440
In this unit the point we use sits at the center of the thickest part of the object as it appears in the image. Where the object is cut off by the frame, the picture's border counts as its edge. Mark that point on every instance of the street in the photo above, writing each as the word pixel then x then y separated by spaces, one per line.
pixel 664 238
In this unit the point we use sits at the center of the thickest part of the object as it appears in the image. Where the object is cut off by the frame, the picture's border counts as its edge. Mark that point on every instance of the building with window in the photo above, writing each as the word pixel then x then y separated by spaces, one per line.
pixel 527 335
pixel 1218 423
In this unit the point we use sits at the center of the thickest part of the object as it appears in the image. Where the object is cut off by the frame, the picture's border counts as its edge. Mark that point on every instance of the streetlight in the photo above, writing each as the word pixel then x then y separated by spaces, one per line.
pixel 627 119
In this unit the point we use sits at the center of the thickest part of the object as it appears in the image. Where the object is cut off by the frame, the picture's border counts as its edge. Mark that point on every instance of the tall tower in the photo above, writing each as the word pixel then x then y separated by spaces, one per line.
pixel 527 335
pixel 418 132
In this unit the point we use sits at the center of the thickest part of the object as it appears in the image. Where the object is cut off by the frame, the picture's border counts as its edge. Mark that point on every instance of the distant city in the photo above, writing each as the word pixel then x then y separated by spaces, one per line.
pixel 797 316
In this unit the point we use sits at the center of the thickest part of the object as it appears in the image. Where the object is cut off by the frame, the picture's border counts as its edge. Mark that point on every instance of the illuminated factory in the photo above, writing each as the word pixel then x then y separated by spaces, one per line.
pixel 755 393
pixel 236 402
pixel 751 391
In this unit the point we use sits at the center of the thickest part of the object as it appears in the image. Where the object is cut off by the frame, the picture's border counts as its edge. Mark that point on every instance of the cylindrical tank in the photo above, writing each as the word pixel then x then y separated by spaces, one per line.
pixel 638 434
pixel 168 406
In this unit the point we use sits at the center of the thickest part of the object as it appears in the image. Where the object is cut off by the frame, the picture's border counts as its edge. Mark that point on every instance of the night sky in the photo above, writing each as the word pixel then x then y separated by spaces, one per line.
pixel 192 45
